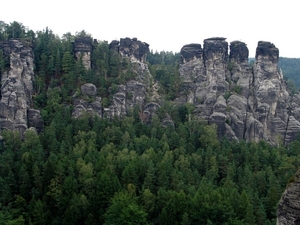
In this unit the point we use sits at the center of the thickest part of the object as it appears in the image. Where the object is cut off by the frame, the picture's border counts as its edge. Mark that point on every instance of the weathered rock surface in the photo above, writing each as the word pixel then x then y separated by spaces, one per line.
pixel 190 52
pixel 288 210
pixel 134 92
pixel 89 89
pixel 91 107
pixel 255 104
pixel 88 102
pixel 130 95
pixel 83 47
pixel 16 112
pixel 132 48
pixel 246 102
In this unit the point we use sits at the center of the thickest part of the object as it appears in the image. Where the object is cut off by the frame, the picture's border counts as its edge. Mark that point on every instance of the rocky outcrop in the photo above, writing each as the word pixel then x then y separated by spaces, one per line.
pixel 83 47
pixel 203 72
pixel 134 92
pixel 16 112
pixel 288 210
pixel 131 48
pixel 270 96
pixel 246 103
pixel 128 96
pixel 89 89
pixel 88 102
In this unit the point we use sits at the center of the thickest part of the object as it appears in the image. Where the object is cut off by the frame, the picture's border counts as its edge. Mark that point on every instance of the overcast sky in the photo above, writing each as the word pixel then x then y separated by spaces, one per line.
pixel 164 24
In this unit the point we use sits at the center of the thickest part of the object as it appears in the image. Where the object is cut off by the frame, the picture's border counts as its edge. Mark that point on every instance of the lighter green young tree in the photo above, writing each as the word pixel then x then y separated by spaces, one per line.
pixel 124 210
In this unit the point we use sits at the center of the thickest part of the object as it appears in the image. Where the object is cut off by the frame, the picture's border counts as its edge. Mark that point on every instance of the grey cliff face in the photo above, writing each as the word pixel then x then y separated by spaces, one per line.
pixel 203 72
pixel 16 111
pixel 130 95
pixel 288 210
pixel 270 96
pixel 246 103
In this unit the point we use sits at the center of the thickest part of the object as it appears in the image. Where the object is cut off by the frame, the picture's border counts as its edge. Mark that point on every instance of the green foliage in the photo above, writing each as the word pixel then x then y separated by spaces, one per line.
pixel 125 210
pixel 291 87
pixel 237 89
pixel 14 30
pixel 227 95
pixel 231 66
pixel 290 68
pixel 164 68
pixel 92 170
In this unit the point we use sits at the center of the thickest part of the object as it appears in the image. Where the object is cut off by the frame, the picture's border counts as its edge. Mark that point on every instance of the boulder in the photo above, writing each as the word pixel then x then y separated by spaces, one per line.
pixel 89 89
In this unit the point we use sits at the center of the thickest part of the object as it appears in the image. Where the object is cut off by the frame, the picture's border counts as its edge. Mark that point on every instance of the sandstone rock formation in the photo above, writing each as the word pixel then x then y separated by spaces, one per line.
pixel 83 48
pixel 288 210
pixel 16 112
pixel 132 48
pixel 88 102
pixel 246 103
pixel 134 92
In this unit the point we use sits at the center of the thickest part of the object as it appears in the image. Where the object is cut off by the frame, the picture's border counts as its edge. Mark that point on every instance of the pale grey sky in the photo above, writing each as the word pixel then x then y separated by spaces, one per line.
pixel 165 24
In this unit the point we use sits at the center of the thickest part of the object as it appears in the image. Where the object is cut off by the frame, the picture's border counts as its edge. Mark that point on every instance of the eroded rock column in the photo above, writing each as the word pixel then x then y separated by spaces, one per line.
pixel 16 111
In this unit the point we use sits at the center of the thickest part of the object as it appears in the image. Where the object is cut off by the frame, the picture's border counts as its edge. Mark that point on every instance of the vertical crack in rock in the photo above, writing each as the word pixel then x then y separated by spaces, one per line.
pixel 286 130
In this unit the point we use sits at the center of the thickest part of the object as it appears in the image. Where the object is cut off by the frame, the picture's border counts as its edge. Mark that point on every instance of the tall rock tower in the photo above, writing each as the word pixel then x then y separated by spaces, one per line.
pixel 16 112
pixel 83 47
